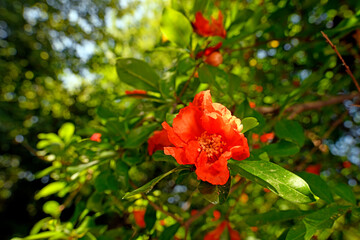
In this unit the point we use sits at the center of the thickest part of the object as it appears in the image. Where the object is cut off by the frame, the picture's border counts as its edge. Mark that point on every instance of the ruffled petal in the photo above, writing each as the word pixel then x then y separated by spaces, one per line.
pixel 203 101
pixel 192 151
pixel 216 173
pixel 178 154
pixel 158 141
pixel 216 233
pixel 173 137
pixel 187 125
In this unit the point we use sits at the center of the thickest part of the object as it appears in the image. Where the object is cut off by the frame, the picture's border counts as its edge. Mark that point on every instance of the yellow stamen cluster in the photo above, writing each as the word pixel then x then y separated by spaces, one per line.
pixel 212 144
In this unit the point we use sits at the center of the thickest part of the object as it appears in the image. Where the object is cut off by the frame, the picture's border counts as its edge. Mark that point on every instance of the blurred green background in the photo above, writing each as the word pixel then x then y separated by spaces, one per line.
pixel 57 64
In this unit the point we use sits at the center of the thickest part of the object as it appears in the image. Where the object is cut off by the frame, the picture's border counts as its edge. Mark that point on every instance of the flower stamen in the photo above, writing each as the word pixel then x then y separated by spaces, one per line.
pixel 212 144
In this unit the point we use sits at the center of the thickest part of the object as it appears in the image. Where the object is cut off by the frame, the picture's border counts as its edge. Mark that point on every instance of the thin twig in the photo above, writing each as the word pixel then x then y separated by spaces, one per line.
pixel 188 81
pixel 347 69
pixel 301 107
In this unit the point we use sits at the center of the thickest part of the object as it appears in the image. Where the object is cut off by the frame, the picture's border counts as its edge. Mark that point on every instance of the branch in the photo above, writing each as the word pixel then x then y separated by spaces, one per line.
pixel 188 81
pixel 301 107
pixel 343 61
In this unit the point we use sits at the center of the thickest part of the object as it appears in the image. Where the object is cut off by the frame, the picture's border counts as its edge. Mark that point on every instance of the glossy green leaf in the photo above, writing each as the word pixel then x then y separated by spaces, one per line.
pixel 345 192
pixel 321 219
pixel 176 27
pixel 50 189
pixel 279 180
pixel 81 167
pixel 149 186
pixel 281 149
pixel 274 216
pixel 169 232
pixel 216 194
pixel 137 74
pixel 106 181
pixel 318 186
pixel 150 217
pixel 290 130
pixel 249 123
pixel 139 135
pixel 46 235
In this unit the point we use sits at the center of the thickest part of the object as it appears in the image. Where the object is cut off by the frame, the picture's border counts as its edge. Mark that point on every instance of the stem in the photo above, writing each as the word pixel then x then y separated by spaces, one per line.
pixel 347 69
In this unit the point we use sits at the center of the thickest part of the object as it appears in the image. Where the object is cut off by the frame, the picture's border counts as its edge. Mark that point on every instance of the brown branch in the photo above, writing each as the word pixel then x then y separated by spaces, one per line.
pixel 188 81
pixel 161 209
pixel 347 69
pixel 302 107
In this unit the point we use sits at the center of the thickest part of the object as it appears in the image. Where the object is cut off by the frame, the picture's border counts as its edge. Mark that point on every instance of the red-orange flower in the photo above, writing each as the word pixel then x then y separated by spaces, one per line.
pixel 207 135
pixel 217 215
pixel 204 28
pixel 315 169
pixel 158 141
pixel 96 137
pixel 216 233
pixel 346 164
pixel 135 92
pixel 139 218
pixel 266 137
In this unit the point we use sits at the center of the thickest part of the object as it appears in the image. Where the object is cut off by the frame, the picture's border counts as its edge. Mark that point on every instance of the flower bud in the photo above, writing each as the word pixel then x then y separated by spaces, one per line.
pixel 214 59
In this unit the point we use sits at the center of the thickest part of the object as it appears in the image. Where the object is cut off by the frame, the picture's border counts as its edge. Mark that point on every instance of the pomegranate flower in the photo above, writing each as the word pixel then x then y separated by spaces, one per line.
pixel 139 218
pixel 204 28
pixel 217 232
pixel 96 137
pixel 206 135
pixel 315 169
pixel 158 141
pixel 211 55
pixel 135 92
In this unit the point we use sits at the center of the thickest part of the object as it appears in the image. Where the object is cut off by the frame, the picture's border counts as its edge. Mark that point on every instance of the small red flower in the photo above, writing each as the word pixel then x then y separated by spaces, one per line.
pixel 346 164
pixel 135 92
pixel 217 215
pixel 315 169
pixel 267 137
pixel 207 135
pixel 139 218
pixel 216 233
pixel 158 141
pixel 193 212
pixel 96 137
pixel 206 29
pixel 252 104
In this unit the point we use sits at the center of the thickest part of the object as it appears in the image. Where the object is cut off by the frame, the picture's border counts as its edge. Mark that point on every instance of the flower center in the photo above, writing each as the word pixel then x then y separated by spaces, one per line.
pixel 212 144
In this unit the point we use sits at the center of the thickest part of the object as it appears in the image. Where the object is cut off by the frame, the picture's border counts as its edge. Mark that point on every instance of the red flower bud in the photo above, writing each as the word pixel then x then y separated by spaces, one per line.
pixel 346 164
pixel 267 137
pixel 135 92
pixel 315 169
pixel 214 59
pixel 139 218
pixel 96 137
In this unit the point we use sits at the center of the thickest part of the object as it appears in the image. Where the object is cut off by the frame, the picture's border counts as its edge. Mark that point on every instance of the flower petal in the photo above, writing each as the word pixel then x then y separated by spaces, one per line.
pixel 173 137
pixel 192 151
pixel 216 173
pixel 187 123
pixel 178 154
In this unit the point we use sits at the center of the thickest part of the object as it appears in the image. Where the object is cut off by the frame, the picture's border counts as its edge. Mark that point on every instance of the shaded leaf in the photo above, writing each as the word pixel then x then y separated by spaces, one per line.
pixel 274 216
pixel 139 135
pixel 216 194
pixel 137 73
pixel 150 217
pixel 149 186
pixel 318 186
pixel 281 149
pixel 169 232
pixel 345 192
pixel 290 130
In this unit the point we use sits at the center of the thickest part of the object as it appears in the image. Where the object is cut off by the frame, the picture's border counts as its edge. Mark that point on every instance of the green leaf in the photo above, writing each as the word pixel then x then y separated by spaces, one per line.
pixel 279 180
pixel 81 167
pixel 216 194
pixel 105 113
pixel 282 149
pixel 95 202
pixel 160 156
pixel 106 181
pixel 318 186
pixel 137 73
pixel 139 135
pixel 324 218
pixel 274 216
pixel 169 232
pixel 149 186
pixel 249 123
pixel 150 217
pixel 46 235
pixel 49 189
pixel 345 192
pixel 52 208
pixel 67 131
pixel 176 27
pixel 290 130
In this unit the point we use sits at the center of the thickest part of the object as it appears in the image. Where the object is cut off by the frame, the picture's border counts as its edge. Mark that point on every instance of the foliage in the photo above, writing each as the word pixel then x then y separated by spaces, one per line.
pixel 276 73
